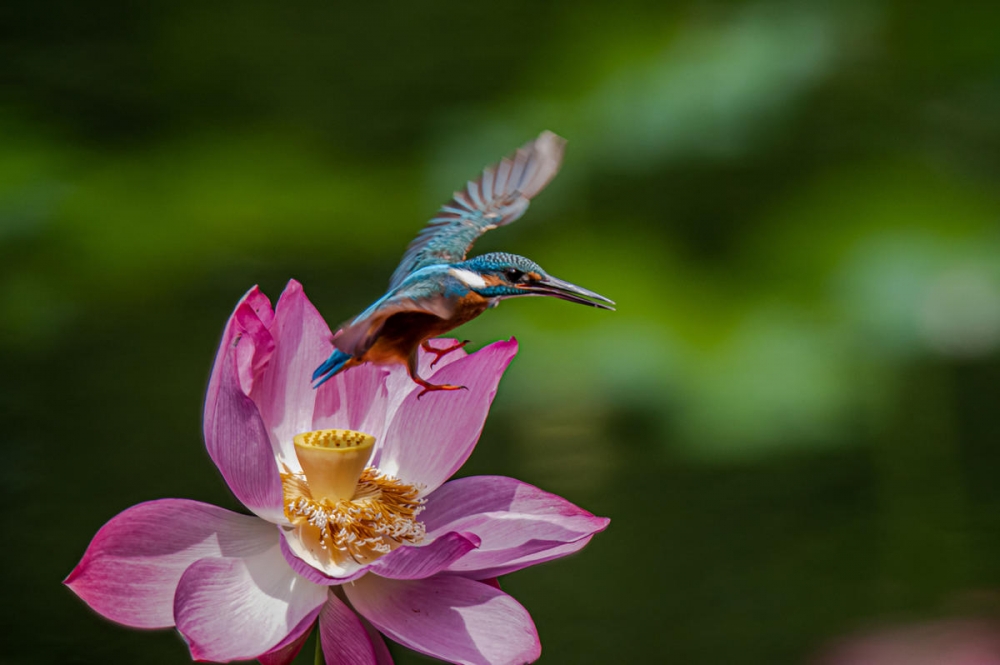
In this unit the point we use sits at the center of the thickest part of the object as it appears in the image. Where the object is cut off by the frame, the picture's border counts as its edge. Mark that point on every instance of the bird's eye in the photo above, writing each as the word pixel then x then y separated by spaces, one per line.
pixel 513 274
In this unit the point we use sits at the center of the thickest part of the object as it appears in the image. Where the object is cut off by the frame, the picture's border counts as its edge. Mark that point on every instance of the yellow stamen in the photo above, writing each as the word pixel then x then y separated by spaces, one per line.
pixel 340 508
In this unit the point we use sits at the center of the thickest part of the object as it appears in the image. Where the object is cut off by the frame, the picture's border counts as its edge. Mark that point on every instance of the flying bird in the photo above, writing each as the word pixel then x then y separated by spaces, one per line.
pixel 436 289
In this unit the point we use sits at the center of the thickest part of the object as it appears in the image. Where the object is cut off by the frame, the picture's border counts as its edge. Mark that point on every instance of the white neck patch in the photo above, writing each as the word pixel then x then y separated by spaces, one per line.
pixel 469 278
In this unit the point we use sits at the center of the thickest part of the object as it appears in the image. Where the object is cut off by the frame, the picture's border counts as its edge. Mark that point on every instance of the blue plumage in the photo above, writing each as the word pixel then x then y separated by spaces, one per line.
pixel 434 289
pixel 500 196
pixel 330 367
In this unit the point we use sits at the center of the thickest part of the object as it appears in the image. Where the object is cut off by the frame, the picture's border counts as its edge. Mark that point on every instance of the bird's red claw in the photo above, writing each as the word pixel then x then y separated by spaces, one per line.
pixel 430 388
pixel 441 353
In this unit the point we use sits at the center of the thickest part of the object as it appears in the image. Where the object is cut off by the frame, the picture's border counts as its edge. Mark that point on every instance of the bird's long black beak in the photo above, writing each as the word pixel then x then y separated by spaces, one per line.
pixel 557 288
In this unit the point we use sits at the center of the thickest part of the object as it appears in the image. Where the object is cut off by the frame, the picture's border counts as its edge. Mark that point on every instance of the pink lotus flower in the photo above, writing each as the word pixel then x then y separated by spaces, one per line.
pixel 335 533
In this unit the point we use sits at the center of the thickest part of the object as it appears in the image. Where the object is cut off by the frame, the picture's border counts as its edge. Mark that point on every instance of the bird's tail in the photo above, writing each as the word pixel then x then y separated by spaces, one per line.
pixel 330 367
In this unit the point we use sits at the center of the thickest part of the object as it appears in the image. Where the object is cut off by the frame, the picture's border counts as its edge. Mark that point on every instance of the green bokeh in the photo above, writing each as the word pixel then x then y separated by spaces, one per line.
pixel 792 417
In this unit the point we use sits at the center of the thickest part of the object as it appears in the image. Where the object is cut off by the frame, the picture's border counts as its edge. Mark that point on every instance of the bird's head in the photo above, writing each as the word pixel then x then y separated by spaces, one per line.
pixel 502 275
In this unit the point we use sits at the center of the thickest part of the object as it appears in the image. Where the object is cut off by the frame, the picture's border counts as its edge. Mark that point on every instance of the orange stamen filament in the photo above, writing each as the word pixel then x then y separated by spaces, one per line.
pixel 377 517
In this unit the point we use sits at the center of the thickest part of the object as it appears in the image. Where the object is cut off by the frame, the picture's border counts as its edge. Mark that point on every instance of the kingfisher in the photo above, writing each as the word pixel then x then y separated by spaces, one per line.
pixel 436 289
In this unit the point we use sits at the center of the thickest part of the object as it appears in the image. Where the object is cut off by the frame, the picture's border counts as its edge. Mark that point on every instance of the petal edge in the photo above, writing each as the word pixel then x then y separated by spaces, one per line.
pixel 134 563
pixel 451 618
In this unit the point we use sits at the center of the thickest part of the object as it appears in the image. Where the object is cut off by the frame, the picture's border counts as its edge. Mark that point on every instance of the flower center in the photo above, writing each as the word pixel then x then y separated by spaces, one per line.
pixel 341 507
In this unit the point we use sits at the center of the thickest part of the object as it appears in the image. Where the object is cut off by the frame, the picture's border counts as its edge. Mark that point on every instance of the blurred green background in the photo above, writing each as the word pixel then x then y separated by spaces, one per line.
pixel 792 417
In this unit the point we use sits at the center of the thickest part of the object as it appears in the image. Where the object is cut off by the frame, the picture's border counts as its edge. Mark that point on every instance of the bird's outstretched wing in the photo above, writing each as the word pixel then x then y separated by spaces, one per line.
pixel 422 297
pixel 498 197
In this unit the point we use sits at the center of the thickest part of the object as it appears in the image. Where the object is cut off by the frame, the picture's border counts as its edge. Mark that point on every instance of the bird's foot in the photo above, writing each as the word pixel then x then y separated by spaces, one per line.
pixel 430 387
pixel 441 353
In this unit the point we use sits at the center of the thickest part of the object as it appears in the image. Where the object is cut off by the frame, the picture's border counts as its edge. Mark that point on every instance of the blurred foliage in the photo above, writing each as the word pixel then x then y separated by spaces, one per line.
pixel 791 418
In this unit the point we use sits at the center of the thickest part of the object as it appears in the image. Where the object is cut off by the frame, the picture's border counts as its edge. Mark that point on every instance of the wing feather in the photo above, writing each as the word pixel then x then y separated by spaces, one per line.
pixel 357 336
pixel 503 175
pixel 487 182
pixel 498 197
pixel 473 188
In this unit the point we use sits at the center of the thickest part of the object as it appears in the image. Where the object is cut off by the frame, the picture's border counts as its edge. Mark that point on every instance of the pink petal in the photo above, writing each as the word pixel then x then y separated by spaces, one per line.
pixel 381 650
pixel 284 392
pixel 532 557
pixel 398 380
pixel 448 617
pixel 366 398
pixel 252 315
pixel 411 562
pixel 355 399
pixel 132 566
pixel 406 562
pixel 239 609
pixel 345 638
pixel 254 354
pixel 424 359
pixel 519 524
pixel 429 439
pixel 286 650
pixel 238 443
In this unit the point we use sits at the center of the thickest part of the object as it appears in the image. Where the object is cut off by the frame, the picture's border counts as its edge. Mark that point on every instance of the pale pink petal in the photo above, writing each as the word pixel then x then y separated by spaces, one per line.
pixel 238 443
pixel 430 438
pixel 406 562
pixel 452 618
pixel 529 556
pixel 425 359
pixel 130 571
pixel 405 385
pixel 303 562
pixel 355 399
pixel 366 398
pixel 284 393
pixel 519 524
pixel 381 650
pixel 400 385
pixel 345 638
pixel 411 562
pixel 398 380
pixel 252 316
pixel 238 609
pixel 286 650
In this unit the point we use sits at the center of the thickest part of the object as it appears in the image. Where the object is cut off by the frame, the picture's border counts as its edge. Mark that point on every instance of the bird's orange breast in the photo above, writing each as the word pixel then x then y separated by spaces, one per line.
pixel 403 332
pixel 467 308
